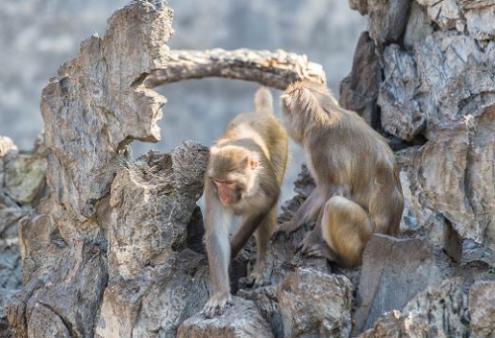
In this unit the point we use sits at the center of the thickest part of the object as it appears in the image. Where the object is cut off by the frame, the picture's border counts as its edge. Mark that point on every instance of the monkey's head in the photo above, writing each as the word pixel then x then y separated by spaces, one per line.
pixel 304 104
pixel 232 172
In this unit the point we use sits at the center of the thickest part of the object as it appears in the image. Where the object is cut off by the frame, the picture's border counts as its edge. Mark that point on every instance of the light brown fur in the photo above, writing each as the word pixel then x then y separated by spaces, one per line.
pixel 245 171
pixel 348 160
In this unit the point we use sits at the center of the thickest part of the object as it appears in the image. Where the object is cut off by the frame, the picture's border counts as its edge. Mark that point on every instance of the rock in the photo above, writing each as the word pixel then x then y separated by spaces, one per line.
pixel 25 177
pixel 155 302
pixel 313 303
pixel 482 308
pixel 452 176
pixel 151 271
pixel 418 26
pixel 480 19
pixel 6 146
pixel 229 325
pixel 96 93
pixel 401 113
pixel 266 301
pixel 152 202
pixel 446 14
pixel 393 272
pixel 459 89
pixel 439 311
pixel 22 176
pixel 359 90
pixel 388 19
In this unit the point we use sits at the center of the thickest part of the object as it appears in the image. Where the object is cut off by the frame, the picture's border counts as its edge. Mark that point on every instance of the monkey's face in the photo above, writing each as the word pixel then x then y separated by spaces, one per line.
pixel 229 192
pixel 231 173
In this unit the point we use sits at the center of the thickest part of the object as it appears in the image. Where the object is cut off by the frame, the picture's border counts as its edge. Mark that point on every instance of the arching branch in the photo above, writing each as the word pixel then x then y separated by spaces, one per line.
pixel 275 69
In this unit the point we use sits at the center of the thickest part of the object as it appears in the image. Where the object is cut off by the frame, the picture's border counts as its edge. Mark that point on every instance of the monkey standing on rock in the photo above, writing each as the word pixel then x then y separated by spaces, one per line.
pixel 243 178
pixel 357 192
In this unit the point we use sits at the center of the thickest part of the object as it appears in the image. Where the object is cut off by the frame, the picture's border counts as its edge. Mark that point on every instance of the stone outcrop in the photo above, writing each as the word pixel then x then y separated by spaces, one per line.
pixel 440 311
pixel 230 325
pixel 437 93
pixel 112 247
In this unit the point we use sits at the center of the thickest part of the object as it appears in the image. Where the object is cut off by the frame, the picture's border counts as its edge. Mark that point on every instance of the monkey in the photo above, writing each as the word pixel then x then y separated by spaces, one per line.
pixel 358 191
pixel 243 177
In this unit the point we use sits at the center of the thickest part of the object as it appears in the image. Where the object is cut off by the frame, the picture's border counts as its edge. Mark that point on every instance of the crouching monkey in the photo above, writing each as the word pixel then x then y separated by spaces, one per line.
pixel 357 192
pixel 243 177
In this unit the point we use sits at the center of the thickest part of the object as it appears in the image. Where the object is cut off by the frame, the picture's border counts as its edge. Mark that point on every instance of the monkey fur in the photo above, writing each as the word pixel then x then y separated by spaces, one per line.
pixel 243 178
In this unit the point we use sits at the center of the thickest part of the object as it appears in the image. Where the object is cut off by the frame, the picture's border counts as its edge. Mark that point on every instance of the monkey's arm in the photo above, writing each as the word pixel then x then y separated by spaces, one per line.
pixel 217 223
pixel 246 230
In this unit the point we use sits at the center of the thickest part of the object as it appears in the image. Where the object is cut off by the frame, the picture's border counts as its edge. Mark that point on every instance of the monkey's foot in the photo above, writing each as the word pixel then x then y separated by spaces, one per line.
pixel 286 228
pixel 217 304
pixel 260 276
pixel 314 246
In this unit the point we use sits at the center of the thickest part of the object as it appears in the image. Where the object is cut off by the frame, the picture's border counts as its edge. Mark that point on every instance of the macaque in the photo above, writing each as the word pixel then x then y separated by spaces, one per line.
pixel 358 191
pixel 243 178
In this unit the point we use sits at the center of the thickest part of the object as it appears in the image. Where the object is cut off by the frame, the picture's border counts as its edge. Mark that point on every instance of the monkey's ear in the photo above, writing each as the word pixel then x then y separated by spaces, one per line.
pixel 250 162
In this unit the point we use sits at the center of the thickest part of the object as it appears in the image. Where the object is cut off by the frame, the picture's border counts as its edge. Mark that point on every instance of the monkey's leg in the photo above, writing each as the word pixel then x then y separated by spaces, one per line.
pixel 346 228
pixel 386 214
pixel 217 222
pixel 261 272
pixel 306 212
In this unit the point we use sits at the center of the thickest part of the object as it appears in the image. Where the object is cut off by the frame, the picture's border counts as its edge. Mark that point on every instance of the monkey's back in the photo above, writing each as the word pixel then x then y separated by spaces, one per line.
pixel 267 133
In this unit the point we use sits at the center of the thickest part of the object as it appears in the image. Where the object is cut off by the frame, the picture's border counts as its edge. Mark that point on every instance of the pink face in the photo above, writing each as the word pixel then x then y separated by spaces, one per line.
pixel 228 192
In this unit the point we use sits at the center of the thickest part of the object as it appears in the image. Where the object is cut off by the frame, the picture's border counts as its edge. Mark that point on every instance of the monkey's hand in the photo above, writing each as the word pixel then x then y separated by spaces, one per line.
pixel 286 228
pixel 217 304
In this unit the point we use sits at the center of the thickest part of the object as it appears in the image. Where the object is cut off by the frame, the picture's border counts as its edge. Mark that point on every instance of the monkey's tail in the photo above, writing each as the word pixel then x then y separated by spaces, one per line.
pixel 263 101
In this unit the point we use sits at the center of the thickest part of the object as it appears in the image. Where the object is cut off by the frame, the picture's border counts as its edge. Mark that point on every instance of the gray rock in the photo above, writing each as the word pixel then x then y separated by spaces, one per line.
pixel 446 13
pixel 393 272
pixel 418 26
pixel 401 113
pixel 99 92
pixel 156 302
pixel 388 19
pixel 151 273
pixel 479 18
pixel 482 308
pixel 22 176
pixel 314 304
pixel 266 301
pixel 229 325
pixel 359 90
pixel 451 176
pixel 25 177
pixel 439 311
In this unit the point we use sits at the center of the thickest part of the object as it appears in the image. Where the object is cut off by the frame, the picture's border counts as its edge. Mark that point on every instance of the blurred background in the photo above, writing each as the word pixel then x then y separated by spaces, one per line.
pixel 37 36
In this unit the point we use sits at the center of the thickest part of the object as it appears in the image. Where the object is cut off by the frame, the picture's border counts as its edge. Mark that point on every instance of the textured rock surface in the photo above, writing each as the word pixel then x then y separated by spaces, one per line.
pixel 152 202
pixel 313 303
pixel 393 272
pixel 230 325
pixel 359 91
pixel 482 308
pixel 437 91
pixel 436 99
pixel 439 311
pixel 22 177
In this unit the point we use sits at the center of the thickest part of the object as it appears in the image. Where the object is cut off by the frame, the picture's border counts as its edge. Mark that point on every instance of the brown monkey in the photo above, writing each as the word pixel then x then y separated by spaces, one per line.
pixel 245 170
pixel 357 192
